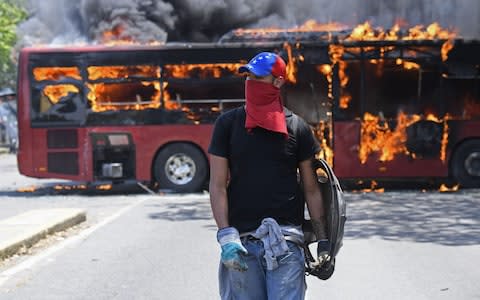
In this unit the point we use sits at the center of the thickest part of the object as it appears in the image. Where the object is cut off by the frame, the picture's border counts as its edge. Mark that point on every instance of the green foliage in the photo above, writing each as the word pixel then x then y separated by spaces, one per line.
pixel 10 16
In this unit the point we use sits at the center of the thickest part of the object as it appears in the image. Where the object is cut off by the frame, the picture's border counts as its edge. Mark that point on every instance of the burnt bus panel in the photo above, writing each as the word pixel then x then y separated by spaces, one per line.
pixel 465 51
pixel 183 55
pixel 315 54
pixel 61 59
pixel 424 138
pixel 63 163
pixel 62 138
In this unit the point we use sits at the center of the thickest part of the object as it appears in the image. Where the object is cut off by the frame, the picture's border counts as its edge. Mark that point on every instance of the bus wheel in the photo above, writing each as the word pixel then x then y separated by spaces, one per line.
pixel 180 167
pixel 466 164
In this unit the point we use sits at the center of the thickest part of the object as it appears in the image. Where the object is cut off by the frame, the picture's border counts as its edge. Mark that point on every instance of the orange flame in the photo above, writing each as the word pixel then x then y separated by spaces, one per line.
pixel 309 25
pixel 291 64
pixel 377 136
pixel 365 32
pixel 56 73
pixel 118 36
pixel 443 188
pixel 326 151
pixel 95 72
pixel 446 47
pixel 201 70
pixel 336 53
pixel 408 65
pixel 28 189
pixel 104 187
pixel 69 187
pixel 433 31
pixel 132 95
pixel 373 188
pixel 56 92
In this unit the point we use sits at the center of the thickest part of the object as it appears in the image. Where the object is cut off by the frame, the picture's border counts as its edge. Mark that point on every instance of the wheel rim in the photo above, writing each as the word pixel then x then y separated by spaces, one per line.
pixel 472 164
pixel 180 169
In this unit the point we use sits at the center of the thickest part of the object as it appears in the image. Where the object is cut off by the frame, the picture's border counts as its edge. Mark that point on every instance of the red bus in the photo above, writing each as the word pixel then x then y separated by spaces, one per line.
pixel 382 110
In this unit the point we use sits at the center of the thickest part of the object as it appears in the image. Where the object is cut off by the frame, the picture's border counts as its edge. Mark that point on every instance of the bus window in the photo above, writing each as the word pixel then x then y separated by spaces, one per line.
pixel 57 97
pixel 462 98
pixel 56 73
pixel 125 95
pixel 204 88
pixel 123 87
pixel 310 96
pixel 391 88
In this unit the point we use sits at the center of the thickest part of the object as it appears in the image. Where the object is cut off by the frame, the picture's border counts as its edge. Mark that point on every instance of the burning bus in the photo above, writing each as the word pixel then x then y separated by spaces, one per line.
pixel 384 105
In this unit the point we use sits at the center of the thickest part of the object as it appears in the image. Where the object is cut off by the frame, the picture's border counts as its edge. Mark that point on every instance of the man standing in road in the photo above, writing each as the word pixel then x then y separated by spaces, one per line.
pixel 255 153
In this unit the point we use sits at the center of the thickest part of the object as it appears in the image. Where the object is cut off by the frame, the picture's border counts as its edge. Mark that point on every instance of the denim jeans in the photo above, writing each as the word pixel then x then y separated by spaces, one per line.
pixel 258 283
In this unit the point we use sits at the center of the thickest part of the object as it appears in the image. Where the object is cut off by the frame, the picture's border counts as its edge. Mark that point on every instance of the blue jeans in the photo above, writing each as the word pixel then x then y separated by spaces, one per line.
pixel 285 282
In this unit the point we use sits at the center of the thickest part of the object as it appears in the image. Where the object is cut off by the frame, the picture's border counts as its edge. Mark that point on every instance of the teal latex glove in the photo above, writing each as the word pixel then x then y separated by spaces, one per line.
pixel 233 256
pixel 233 252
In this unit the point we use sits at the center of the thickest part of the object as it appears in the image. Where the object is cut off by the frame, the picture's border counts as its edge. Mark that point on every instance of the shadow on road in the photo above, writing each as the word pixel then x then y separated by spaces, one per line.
pixel 403 215
pixel 447 219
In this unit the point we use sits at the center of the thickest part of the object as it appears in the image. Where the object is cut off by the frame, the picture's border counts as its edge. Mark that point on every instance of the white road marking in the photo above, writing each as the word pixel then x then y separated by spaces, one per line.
pixel 30 262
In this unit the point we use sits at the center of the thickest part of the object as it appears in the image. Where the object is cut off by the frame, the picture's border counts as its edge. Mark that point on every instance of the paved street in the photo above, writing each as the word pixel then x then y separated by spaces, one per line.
pixel 400 244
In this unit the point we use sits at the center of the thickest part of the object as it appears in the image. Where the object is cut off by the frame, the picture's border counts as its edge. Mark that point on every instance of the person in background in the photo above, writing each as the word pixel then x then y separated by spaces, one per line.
pixel 256 152
pixel 8 119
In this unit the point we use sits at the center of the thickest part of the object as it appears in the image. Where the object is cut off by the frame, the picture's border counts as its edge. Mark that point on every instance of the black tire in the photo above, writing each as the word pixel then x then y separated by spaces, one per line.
pixel 466 164
pixel 180 167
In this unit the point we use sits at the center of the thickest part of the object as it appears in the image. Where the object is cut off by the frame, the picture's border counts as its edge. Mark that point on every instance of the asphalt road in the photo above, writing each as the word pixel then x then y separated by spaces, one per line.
pixel 399 245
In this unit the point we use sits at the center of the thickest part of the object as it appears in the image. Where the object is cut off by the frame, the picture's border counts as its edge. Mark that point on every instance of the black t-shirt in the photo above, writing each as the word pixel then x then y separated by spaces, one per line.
pixel 263 168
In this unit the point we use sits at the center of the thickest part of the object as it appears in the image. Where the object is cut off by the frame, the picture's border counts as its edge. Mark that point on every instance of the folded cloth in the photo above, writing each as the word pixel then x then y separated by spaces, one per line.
pixel 273 240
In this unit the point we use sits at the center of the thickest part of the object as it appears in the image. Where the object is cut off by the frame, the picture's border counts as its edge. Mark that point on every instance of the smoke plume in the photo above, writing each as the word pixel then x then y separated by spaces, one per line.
pixel 144 21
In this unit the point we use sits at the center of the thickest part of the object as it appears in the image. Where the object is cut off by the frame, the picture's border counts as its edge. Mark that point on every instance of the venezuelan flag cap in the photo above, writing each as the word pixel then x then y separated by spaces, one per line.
pixel 265 63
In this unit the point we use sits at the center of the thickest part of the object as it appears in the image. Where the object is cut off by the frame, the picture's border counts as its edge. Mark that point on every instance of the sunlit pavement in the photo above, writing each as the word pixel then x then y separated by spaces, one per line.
pixel 399 244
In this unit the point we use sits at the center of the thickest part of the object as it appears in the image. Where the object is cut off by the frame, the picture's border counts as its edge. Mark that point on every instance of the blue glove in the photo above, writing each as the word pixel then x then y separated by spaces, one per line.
pixel 233 252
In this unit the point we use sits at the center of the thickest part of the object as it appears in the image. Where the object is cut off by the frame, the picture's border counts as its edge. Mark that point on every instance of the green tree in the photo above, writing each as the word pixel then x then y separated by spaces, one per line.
pixel 10 15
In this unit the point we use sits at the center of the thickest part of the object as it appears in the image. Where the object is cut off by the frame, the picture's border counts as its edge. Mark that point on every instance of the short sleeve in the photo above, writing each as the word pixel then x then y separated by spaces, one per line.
pixel 307 144
pixel 220 141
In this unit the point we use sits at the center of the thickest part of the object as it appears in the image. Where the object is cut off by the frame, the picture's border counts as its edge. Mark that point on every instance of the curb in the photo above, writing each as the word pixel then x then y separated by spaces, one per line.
pixel 26 229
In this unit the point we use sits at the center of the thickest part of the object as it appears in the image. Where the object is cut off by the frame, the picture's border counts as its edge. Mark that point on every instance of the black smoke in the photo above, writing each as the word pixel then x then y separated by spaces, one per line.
pixel 144 21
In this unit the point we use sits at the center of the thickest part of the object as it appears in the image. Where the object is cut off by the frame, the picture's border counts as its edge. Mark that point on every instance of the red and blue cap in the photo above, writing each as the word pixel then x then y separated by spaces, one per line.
pixel 265 63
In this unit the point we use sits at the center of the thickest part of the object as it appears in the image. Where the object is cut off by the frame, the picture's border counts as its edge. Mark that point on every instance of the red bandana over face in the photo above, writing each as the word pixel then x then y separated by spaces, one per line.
pixel 264 107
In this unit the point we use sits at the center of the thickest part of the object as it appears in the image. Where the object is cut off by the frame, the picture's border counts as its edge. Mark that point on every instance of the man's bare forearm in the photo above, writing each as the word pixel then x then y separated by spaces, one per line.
pixel 218 190
pixel 314 199
pixel 319 228
pixel 317 213
pixel 219 204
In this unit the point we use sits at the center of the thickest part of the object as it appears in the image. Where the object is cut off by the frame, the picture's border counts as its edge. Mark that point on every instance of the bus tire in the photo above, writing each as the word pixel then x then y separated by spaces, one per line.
pixel 180 167
pixel 466 164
